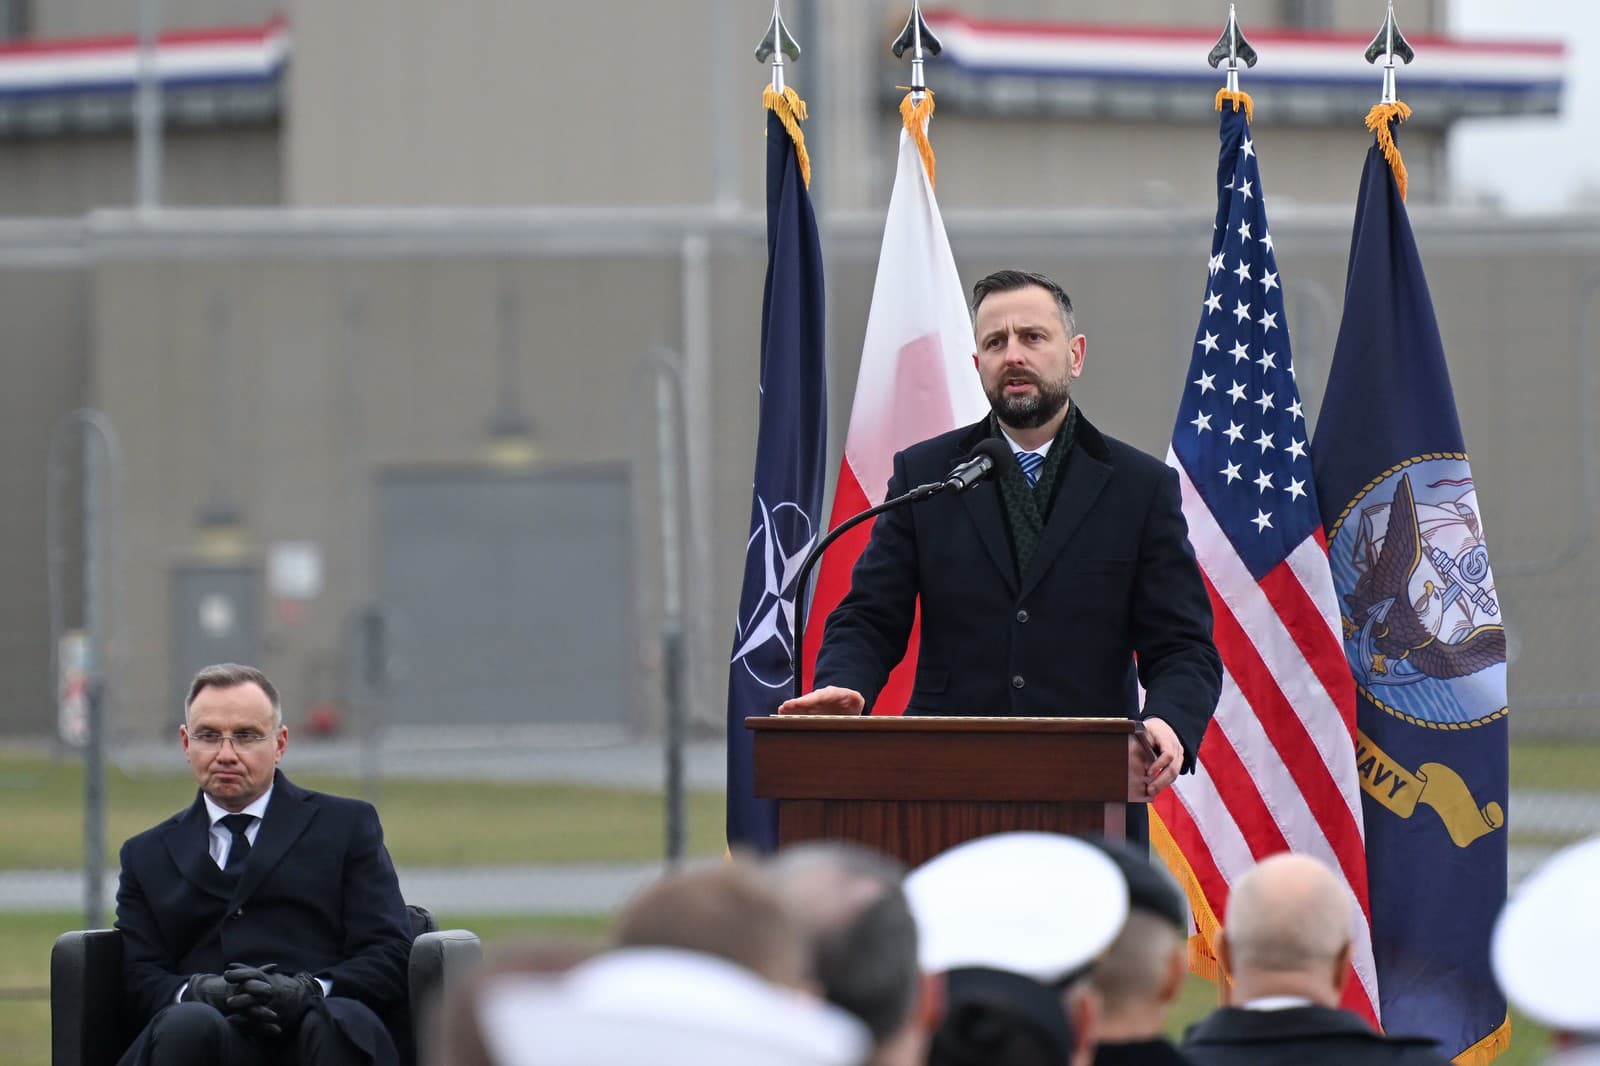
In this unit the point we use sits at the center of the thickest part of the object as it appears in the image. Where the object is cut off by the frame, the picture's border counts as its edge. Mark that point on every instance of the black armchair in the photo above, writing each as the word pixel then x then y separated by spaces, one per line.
pixel 88 1026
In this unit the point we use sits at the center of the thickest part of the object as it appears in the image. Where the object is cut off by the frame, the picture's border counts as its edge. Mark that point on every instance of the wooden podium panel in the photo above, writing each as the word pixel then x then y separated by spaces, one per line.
pixel 912 787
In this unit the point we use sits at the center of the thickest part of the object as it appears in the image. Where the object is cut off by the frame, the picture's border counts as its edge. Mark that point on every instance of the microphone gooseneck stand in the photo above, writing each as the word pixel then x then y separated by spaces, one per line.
pixel 967 474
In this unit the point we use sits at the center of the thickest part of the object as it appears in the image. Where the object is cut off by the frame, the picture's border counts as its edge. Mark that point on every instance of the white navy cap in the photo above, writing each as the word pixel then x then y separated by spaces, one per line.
pixel 1546 946
pixel 664 1006
pixel 1041 905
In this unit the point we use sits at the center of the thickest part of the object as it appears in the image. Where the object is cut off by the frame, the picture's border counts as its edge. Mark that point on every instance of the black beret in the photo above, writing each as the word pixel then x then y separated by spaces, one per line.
pixel 1150 888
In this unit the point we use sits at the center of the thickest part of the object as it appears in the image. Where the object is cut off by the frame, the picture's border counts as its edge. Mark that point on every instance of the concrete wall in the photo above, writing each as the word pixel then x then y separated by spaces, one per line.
pixel 90 18
pixel 615 102
pixel 515 103
pixel 67 176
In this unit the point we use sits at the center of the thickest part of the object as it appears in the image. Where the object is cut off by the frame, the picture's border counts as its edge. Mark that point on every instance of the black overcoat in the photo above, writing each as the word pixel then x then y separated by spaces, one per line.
pixel 318 893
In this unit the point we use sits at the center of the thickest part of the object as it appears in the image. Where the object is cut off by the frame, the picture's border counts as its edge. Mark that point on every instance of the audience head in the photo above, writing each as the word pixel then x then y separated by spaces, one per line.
pixel 455 1030
pixel 1287 931
pixel 863 938
pixel 1014 921
pixel 665 1007
pixel 1546 946
pixel 995 1018
pixel 1143 970
pixel 729 909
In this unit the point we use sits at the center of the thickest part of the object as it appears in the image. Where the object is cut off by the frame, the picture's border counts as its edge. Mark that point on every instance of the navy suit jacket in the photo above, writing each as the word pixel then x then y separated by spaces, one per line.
pixel 1114 579
pixel 318 893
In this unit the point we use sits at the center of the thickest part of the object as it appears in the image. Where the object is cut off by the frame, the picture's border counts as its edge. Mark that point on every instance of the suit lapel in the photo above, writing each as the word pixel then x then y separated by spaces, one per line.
pixel 1082 480
pixel 288 815
pixel 188 841
pixel 982 502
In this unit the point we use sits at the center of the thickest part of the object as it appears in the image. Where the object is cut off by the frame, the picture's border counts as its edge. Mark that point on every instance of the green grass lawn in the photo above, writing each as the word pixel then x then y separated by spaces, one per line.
pixel 465 823
pixel 427 823
pixel 25 941
pixel 1565 766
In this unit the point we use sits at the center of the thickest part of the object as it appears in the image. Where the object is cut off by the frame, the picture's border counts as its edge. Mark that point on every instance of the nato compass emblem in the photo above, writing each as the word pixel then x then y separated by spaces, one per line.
pixel 1422 625
pixel 766 634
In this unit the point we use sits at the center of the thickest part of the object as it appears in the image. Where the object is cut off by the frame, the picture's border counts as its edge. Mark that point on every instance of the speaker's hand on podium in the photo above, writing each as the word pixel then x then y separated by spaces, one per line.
pixel 828 700
pixel 1169 756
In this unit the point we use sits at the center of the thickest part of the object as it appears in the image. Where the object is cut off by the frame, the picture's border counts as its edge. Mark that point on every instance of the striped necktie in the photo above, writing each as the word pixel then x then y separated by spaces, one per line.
pixel 1030 463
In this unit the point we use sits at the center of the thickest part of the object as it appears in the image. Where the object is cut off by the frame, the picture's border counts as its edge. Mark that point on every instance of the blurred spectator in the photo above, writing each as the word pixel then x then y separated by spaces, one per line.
pixel 1546 952
pixel 1286 946
pixel 457 1038
pixel 995 1018
pixel 1014 922
pixel 863 940
pixel 729 909
pixel 1143 971
pixel 662 1007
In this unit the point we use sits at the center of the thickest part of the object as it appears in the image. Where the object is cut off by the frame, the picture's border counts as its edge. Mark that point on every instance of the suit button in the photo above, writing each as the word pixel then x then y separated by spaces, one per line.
pixel 1017 681
pixel 1022 616
pixel 236 915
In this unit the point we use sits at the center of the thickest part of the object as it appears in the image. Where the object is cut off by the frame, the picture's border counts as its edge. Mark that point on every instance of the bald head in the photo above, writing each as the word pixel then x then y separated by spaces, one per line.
pixel 1288 930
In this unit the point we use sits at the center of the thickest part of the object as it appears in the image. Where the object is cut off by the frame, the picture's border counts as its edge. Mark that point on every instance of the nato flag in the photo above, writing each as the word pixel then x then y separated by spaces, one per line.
pixel 1424 637
pixel 786 502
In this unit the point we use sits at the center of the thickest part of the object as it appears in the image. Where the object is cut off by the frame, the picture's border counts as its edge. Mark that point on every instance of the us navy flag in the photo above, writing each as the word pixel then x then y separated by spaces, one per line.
pixel 1424 637
pixel 791 446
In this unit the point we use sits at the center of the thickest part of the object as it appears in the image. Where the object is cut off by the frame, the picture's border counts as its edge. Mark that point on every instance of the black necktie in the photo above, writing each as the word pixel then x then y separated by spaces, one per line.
pixel 237 824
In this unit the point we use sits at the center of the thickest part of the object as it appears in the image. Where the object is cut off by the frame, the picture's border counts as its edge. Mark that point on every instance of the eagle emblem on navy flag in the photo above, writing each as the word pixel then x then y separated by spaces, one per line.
pixel 1422 611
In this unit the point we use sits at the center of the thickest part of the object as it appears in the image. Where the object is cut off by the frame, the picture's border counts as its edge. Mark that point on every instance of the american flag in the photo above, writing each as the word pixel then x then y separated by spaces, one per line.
pixel 1277 769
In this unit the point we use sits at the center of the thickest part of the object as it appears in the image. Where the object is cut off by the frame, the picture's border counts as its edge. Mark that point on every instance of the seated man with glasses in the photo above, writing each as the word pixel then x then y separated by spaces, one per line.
pixel 264 924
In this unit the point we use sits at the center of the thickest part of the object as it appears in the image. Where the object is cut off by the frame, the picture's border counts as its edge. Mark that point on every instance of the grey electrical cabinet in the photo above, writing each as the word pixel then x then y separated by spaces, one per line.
pixel 216 618
pixel 509 596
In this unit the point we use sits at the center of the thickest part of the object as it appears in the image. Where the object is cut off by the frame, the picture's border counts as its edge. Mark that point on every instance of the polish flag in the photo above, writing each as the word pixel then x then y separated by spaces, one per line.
pixel 917 380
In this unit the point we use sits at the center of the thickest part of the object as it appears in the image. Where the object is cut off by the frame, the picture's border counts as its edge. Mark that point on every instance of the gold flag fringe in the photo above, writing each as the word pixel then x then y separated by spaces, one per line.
pixel 791 111
pixel 1239 100
pixel 1489 1048
pixel 1379 121
pixel 915 115
pixel 1202 946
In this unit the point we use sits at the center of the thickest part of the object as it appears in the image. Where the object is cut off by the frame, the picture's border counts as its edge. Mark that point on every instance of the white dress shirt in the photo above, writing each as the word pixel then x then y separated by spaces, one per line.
pixel 1277 1003
pixel 1016 449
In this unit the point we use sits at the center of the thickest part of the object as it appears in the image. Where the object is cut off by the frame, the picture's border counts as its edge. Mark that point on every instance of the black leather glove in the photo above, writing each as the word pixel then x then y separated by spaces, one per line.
pixel 215 991
pixel 289 998
pixel 257 1020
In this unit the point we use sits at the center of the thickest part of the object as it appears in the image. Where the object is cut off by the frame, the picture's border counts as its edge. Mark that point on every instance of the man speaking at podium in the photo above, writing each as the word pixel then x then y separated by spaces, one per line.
pixel 1053 587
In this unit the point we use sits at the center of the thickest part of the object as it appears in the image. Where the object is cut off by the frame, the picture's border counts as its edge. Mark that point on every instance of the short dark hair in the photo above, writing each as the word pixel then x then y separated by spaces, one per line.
pixel 1012 280
pixel 865 960
pixel 232 675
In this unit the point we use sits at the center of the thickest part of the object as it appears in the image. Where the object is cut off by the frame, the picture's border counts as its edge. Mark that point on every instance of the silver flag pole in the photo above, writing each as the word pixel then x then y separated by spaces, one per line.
pixel 922 43
pixel 1232 48
pixel 1389 45
pixel 777 48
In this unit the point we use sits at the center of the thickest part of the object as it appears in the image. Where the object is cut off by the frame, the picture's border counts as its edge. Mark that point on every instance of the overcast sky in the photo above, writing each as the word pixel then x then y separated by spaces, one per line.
pixel 1533 164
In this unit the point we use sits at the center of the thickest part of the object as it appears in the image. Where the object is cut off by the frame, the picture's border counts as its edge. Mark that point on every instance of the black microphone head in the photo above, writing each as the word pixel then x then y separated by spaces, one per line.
pixel 994 447
pixel 979 464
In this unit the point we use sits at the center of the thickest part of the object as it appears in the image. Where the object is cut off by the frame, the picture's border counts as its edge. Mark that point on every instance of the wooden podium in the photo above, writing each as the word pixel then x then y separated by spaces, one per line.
pixel 912 787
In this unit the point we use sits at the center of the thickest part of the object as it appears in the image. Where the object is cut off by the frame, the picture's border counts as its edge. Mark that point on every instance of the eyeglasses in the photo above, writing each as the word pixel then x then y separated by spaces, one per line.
pixel 211 740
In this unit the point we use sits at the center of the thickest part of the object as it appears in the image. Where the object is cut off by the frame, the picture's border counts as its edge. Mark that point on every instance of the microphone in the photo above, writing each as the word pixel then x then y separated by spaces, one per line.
pixel 978 466
pixel 967 473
